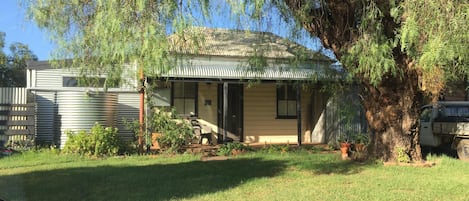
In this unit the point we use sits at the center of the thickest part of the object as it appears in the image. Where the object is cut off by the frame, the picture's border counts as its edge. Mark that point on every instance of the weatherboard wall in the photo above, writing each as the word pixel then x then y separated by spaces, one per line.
pixel 263 126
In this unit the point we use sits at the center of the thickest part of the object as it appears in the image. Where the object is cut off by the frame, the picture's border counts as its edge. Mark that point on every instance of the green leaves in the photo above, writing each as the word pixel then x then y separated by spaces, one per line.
pixel 101 36
pixel 100 141
pixel 434 34
pixel 373 59
pixel 371 56
pixel 13 65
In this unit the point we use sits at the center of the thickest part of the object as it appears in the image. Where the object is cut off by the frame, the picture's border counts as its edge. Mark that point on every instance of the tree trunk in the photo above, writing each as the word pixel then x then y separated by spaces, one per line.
pixel 392 111
pixel 392 107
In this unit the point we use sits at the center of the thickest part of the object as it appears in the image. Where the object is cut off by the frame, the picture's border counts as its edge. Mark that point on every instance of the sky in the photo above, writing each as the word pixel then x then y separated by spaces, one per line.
pixel 18 29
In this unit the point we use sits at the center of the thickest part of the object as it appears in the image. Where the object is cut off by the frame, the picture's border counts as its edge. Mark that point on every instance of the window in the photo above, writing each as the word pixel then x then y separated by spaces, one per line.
pixel 161 94
pixel 286 102
pixel 457 111
pixel 184 97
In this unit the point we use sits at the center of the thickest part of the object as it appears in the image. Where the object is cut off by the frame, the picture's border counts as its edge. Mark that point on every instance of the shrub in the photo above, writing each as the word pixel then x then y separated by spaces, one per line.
pixel 105 140
pixel 175 131
pixel 402 156
pixel 132 146
pixel 227 149
pixel 100 141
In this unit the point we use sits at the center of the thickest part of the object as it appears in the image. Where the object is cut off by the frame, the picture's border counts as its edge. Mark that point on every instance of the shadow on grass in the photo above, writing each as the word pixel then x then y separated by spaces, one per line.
pixel 339 167
pixel 152 182
pixel 331 164
pixel 439 151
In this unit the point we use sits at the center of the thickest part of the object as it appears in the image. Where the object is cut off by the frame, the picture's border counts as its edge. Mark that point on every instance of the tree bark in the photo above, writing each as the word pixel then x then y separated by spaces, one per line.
pixel 392 107
pixel 392 111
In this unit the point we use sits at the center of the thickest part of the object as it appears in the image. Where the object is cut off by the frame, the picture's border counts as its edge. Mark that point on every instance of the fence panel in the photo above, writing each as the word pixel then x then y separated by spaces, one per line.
pixel 17 118
pixel 345 117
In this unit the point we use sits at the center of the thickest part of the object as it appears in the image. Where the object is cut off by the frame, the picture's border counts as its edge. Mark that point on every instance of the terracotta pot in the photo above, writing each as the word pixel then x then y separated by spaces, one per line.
pixel 344 150
pixel 154 141
pixel 345 144
pixel 360 147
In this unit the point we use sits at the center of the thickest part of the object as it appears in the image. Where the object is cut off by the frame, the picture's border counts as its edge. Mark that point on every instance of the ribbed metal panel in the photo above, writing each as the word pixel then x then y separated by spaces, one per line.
pixel 336 122
pixel 127 110
pixel 81 110
pixel 318 71
pixel 13 95
pixel 46 130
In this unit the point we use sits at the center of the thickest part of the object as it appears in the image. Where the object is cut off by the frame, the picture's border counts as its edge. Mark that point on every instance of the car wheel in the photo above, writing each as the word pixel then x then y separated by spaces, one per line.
pixel 463 149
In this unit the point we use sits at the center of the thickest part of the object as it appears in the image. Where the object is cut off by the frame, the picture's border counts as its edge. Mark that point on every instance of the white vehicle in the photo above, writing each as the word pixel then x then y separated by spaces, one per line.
pixel 446 123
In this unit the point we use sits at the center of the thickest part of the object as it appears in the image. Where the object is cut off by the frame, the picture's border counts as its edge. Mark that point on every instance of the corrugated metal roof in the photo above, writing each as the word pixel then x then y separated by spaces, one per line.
pixel 240 43
pixel 239 46
pixel 318 72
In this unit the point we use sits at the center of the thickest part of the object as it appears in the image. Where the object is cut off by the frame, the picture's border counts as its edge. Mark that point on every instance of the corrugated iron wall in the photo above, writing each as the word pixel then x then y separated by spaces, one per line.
pixel 337 122
pixel 127 110
pixel 82 110
pixel 47 124
pixel 48 83
pixel 13 95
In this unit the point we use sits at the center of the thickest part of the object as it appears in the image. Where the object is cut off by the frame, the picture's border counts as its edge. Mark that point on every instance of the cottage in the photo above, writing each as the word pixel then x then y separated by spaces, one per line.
pixel 252 87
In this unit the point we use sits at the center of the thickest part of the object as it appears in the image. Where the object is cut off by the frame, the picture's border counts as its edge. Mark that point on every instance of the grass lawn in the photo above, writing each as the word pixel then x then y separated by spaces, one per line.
pixel 253 176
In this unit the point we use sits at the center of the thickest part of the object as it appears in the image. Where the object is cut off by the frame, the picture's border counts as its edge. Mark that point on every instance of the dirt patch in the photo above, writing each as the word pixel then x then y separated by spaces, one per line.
pixel 416 164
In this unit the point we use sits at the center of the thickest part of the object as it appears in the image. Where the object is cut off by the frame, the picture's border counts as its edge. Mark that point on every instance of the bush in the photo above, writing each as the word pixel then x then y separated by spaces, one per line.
pixel 175 131
pixel 99 142
pixel 227 149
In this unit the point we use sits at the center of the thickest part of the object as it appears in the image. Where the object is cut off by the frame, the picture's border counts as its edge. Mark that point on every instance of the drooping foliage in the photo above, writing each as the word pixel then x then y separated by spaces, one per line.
pixel 434 35
pixel 369 37
pixel 396 50
pixel 372 37
pixel 371 55
pixel 98 37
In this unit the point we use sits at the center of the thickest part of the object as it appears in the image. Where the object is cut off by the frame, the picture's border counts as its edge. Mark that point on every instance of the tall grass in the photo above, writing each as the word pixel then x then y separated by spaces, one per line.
pixel 253 176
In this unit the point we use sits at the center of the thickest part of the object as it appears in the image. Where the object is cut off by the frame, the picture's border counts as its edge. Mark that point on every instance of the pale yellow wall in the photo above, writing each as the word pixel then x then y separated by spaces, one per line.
pixel 306 116
pixel 260 123
pixel 208 113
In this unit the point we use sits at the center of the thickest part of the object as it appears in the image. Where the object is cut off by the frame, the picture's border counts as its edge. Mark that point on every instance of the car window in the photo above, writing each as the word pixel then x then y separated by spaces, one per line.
pixel 456 111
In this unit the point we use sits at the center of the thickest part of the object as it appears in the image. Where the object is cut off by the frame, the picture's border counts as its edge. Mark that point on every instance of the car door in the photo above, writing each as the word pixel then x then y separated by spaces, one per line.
pixel 426 131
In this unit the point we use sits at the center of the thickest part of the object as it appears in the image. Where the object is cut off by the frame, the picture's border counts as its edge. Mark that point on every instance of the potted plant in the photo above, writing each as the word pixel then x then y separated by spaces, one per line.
pixel 360 141
pixel 344 145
